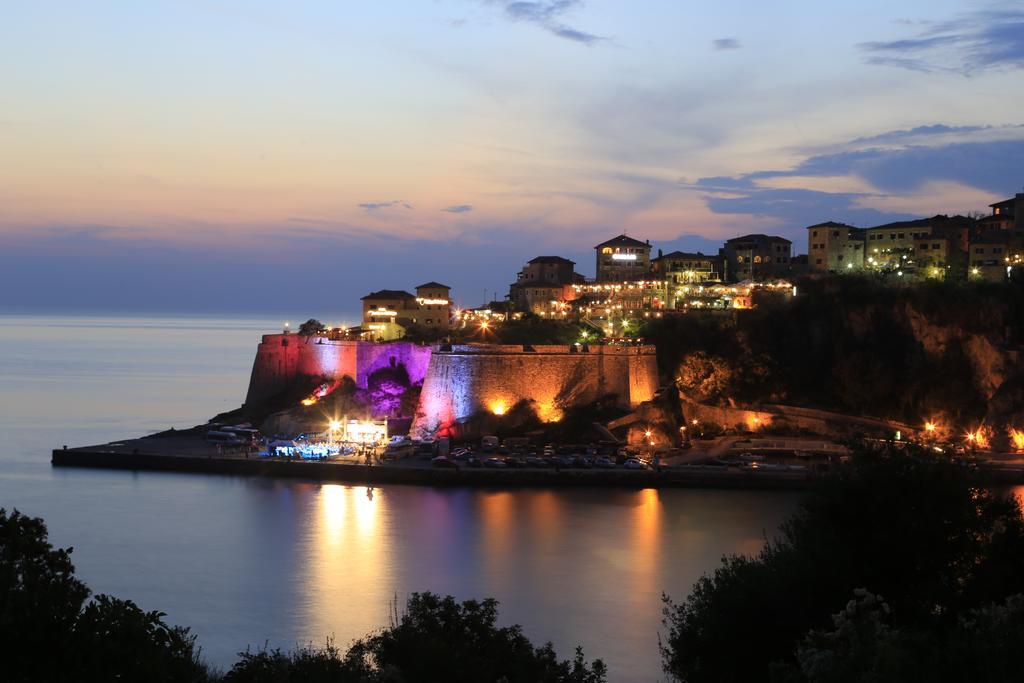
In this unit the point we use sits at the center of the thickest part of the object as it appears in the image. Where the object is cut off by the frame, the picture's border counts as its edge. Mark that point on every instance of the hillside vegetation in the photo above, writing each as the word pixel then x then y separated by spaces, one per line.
pixel 854 345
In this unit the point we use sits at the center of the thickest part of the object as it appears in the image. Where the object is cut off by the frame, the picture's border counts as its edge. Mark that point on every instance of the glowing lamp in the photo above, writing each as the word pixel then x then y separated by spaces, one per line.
pixel 499 407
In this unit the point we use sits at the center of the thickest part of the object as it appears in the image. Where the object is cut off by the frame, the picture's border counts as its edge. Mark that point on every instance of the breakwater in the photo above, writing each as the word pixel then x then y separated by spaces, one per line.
pixel 99 457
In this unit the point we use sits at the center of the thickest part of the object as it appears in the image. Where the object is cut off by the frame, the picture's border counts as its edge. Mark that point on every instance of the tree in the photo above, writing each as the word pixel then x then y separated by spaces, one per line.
pixel 311 327
pixel 435 639
pixel 704 377
pixel 40 598
pixel 904 524
pixel 50 636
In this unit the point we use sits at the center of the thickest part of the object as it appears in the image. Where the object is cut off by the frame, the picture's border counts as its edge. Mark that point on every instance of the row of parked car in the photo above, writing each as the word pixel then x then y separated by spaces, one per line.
pixel 548 458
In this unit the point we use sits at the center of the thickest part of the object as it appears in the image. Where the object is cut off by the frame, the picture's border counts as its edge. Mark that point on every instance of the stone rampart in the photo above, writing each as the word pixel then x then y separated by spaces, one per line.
pixel 466 379
pixel 282 359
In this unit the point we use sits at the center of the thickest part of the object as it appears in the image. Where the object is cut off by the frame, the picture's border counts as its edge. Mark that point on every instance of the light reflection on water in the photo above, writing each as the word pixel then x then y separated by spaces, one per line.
pixel 246 561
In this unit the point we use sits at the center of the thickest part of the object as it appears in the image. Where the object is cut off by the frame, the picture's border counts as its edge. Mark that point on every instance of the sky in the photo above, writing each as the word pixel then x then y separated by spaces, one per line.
pixel 264 157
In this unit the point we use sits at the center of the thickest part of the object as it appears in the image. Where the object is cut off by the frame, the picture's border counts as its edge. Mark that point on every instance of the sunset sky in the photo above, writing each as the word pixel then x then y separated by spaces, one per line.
pixel 268 156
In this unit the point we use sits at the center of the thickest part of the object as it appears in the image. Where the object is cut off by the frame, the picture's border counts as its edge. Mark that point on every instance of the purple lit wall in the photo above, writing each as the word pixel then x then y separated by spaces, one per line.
pixel 283 358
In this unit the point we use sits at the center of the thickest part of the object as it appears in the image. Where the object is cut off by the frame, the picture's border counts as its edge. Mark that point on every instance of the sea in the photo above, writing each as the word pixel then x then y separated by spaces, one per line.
pixel 249 562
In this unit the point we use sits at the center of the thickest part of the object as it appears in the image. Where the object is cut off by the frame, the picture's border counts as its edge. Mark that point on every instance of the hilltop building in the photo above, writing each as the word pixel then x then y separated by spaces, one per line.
pixel 622 258
pixel 757 257
pixel 387 313
pixel 682 268
pixel 835 247
pixel 544 285
pixel 1006 215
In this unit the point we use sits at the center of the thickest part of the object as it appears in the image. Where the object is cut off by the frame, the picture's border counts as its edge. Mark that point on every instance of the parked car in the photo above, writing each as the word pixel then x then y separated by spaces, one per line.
pixel 604 463
pixel 512 461
pixel 534 461
pixel 495 462
pixel 582 462
pixel 442 461
pixel 633 464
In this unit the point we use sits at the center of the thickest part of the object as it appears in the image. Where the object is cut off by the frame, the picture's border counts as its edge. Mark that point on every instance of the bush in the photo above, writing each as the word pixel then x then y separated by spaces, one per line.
pixel 435 639
pixel 902 524
pixel 51 634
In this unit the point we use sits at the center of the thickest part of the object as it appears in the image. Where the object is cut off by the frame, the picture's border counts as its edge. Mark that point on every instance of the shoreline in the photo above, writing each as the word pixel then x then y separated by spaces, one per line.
pixel 183 453
pixel 99 457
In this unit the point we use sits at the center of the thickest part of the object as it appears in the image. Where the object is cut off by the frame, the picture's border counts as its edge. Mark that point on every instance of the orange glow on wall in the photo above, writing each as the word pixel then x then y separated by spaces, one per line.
pixel 1017 439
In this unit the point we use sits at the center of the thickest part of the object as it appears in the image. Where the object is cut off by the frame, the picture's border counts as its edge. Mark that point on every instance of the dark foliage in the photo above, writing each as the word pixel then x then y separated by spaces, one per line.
pixel 50 634
pixel 900 524
pixel 850 344
pixel 311 327
pixel 436 639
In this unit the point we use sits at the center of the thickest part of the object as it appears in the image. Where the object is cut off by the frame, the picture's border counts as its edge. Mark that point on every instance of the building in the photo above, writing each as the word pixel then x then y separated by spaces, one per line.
pixel 835 248
pixel 684 268
pixel 989 255
pixel 544 286
pixel 622 258
pixel 908 247
pixel 389 313
pixel 1006 215
pixel 757 257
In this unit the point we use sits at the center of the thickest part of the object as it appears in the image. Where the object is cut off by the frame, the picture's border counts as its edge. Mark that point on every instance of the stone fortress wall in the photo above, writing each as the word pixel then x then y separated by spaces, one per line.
pixel 281 359
pixel 460 380
pixel 466 379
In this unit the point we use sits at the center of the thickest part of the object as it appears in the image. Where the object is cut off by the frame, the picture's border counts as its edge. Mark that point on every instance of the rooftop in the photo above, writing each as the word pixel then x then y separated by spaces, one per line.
pixel 432 285
pixel 679 255
pixel 832 224
pixel 758 237
pixel 551 259
pixel 390 294
pixel 622 241
pixel 939 219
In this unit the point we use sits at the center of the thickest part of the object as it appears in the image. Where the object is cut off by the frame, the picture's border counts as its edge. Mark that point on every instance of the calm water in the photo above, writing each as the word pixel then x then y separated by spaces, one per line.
pixel 245 561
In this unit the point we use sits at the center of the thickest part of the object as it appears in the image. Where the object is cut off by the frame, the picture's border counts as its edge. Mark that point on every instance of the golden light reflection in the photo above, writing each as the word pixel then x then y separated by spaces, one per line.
pixel 498 407
pixel 346 575
pixel 497 513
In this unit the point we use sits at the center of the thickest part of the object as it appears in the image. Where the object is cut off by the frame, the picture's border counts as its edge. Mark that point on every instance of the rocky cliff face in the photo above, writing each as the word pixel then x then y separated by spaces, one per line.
pixel 993 356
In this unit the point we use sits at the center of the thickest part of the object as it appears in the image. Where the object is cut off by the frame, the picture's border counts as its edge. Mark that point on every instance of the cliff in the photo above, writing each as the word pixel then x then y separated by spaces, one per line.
pixel 947 353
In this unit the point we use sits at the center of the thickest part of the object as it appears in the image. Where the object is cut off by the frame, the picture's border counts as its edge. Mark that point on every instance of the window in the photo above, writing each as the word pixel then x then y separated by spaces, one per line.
pixel 840 257
pixel 814 233
pixel 817 262
pixel 901 235
pixel 757 259
pixel 835 233
pixel 936 246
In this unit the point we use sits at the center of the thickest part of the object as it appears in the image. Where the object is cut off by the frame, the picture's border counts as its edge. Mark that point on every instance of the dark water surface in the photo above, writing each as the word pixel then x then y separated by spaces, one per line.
pixel 245 561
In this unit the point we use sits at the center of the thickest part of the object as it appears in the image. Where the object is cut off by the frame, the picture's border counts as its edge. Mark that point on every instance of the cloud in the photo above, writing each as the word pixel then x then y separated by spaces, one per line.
pixel 459 208
pixel 393 204
pixel 726 44
pixel 972 43
pixel 547 14
pixel 881 182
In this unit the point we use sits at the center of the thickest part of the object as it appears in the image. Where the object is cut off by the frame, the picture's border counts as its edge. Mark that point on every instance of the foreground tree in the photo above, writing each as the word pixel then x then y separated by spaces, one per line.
pixel 51 634
pixel 435 639
pixel 903 524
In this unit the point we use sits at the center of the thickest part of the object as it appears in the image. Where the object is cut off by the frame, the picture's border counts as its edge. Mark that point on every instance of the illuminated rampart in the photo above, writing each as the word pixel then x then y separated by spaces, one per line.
pixel 282 359
pixel 461 380
pixel 465 379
